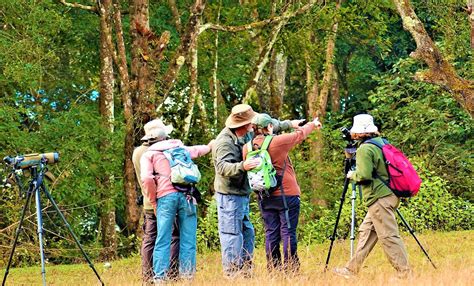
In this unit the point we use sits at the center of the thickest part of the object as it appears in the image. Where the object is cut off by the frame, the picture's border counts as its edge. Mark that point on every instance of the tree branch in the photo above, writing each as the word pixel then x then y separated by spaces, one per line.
pixel 259 24
pixel 440 72
pixel 80 6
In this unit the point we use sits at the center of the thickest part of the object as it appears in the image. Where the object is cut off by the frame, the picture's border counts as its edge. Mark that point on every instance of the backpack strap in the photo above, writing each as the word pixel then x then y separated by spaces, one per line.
pixel 249 146
pixel 266 142
pixel 285 204
pixel 380 146
pixel 169 157
pixel 373 142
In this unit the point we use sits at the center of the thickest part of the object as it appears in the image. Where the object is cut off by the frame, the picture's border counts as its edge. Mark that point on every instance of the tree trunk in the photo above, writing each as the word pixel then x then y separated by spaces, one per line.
pixel 470 11
pixel 251 90
pixel 328 73
pixel 176 16
pixel 312 90
pixel 277 83
pixel 191 32
pixel 193 92
pixel 440 72
pixel 106 109
pixel 132 211
pixel 335 96
pixel 214 85
pixel 142 82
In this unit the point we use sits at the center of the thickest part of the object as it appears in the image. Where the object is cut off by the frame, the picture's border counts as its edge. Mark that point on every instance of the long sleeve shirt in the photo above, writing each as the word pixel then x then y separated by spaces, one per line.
pixel 278 149
pixel 370 161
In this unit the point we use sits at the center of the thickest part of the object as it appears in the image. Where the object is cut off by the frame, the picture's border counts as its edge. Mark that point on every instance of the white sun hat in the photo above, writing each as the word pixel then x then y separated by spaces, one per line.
pixel 156 129
pixel 364 123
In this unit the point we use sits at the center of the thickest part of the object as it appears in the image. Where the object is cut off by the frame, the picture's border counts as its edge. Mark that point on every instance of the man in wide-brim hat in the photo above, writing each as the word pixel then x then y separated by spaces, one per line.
pixel 236 232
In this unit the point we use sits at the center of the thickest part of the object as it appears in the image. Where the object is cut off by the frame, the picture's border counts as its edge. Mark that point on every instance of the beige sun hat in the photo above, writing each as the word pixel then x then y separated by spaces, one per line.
pixel 363 123
pixel 156 129
pixel 240 115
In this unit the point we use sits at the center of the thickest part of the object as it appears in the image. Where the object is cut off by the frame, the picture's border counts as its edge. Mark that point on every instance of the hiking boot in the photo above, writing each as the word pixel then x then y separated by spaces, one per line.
pixel 405 274
pixel 344 272
pixel 159 281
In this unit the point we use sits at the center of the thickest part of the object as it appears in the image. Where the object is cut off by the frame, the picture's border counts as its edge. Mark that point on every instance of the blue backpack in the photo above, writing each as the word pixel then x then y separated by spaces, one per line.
pixel 183 169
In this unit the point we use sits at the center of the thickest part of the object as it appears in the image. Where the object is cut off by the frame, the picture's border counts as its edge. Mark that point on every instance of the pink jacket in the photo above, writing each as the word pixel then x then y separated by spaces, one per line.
pixel 154 161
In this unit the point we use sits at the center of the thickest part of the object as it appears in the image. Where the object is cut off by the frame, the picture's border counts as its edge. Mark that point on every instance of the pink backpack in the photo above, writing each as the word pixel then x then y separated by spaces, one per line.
pixel 403 179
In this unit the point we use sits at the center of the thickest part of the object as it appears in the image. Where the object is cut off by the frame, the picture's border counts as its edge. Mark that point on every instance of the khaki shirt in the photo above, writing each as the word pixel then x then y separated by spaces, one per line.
pixel 137 154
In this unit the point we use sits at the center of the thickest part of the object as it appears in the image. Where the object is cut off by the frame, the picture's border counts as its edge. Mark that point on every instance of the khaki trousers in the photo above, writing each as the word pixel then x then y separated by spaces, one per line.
pixel 380 223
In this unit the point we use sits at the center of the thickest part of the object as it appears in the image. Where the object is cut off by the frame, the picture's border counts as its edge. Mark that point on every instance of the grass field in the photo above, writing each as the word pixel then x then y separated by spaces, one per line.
pixel 452 252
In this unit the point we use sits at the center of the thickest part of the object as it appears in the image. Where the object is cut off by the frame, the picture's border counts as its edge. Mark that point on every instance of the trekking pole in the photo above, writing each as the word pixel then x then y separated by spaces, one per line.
pixel 414 236
pixel 347 163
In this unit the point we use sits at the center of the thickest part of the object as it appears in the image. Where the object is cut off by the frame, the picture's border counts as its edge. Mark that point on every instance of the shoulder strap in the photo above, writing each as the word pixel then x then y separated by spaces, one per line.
pixel 373 142
pixel 249 146
pixel 285 204
pixel 169 157
pixel 380 146
pixel 266 142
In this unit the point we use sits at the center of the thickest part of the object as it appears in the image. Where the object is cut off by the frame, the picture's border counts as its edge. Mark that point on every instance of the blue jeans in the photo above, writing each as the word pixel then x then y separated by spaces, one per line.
pixel 167 208
pixel 276 230
pixel 236 232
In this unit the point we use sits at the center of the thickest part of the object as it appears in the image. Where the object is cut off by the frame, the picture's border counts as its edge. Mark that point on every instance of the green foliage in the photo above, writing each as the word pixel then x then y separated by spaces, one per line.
pixel 208 235
pixel 49 73
pixel 434 208
pixel 444 132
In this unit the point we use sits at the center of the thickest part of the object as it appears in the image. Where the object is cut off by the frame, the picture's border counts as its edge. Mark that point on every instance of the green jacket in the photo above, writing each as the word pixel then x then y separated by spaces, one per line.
pixel 369 158
pixel 231 178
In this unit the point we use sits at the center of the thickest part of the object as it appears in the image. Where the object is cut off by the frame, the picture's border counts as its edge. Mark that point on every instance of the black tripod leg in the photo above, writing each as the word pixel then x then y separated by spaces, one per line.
pixel 28 198
pixel 333 236
pixel 414 236
pixel 71 232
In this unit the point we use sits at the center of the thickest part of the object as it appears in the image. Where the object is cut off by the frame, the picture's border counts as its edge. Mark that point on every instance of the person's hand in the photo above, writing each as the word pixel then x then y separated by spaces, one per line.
pixel 251 163
pixel 211 143
pixel 296 123
pixel 317 123
pixel 350 174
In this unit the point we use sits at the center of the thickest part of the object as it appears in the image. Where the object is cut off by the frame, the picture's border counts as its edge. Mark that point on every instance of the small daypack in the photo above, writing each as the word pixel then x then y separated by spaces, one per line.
pixel 262 179
pixel 403 179
pixel 183 170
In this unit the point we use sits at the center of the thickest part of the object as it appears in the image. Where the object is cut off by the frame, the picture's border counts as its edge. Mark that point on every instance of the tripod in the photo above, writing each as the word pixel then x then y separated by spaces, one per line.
pixel 36 186
pixel 349 164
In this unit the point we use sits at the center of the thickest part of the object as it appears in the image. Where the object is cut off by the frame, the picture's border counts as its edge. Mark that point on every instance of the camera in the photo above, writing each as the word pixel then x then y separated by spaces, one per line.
pixel 346 134
pixel 30 160
pixel 351 146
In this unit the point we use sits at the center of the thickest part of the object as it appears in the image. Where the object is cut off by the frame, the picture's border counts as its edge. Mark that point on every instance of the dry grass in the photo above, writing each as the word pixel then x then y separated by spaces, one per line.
pixel 452 252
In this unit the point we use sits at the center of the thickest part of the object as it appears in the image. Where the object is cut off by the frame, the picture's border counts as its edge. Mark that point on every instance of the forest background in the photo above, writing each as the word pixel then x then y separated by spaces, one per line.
pixel 82 77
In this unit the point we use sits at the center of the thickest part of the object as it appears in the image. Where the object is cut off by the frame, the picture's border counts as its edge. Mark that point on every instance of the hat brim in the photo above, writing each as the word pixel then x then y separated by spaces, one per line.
pixel 231 124
pixel 360 130
pixel 167 128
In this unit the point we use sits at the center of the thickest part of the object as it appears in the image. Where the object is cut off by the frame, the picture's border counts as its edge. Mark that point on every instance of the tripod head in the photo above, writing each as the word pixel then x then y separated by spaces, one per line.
pixel 349 150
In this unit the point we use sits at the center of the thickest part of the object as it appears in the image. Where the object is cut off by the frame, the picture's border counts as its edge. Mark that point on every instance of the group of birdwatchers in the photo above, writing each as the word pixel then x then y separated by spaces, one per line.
pixel 170 214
